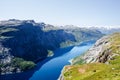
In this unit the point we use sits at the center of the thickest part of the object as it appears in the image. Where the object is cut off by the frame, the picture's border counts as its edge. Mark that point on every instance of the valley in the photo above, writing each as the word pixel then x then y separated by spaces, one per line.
pixel 29 49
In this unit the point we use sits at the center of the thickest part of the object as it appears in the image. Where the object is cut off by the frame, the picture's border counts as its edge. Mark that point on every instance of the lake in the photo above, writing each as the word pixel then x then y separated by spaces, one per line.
pixel 50 68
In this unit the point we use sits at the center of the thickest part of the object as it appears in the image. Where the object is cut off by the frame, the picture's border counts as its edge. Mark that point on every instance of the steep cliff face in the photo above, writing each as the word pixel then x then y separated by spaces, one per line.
pixel 32 41
pixel 25 41
pixel 101 62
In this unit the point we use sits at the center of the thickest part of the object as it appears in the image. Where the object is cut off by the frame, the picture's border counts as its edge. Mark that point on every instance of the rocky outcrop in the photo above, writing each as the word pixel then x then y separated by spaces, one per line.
pixel 8 62
pixel 5 62
pixel 97 52
pixel 100 52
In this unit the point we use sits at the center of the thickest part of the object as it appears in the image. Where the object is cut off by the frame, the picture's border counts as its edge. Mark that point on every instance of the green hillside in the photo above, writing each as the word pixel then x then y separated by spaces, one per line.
pixel 107 67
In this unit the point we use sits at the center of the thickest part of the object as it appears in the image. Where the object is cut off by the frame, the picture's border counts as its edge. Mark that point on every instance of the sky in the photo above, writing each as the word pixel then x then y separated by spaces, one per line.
pixel 63 12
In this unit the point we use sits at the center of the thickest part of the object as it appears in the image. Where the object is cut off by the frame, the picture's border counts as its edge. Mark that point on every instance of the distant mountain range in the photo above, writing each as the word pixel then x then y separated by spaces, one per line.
pixel 107 30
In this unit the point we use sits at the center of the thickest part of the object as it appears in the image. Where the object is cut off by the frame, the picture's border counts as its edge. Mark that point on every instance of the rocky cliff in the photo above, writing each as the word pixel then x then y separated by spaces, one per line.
pixel 10 64
pixel 101 62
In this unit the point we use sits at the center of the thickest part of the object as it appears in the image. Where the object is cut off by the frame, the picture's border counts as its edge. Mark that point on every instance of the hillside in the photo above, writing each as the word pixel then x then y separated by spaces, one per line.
pixel 101 62
pixel 25 42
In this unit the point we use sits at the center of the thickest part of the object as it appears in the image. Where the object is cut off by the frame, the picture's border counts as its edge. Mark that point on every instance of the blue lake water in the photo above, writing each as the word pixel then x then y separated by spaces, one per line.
pixel 52 68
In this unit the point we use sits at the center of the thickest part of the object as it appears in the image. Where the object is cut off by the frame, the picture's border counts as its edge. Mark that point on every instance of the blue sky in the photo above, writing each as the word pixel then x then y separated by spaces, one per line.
pixel 63 12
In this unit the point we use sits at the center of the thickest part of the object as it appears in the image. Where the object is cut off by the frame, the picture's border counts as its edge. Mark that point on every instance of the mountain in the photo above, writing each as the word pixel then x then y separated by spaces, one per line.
pixel 24 42
pixel 101 62
pixel 107 30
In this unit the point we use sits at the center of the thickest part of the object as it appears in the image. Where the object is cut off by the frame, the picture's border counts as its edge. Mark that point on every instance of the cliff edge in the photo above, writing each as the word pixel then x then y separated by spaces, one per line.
pixel 101 62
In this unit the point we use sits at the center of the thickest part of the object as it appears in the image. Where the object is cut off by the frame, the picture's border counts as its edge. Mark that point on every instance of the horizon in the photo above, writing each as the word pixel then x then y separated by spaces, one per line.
pixel 94 26
pixel 79 13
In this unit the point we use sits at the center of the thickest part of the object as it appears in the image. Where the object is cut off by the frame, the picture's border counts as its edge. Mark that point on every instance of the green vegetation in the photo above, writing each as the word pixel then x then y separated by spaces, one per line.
pixel 98 71
pixel 80 61
pixel 85 34
pixel 93 71
pixel 22 64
